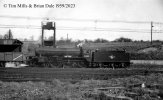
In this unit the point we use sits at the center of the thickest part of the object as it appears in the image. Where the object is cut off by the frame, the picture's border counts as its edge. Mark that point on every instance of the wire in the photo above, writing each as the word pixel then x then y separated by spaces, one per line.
pixel 79 20
pixel 84 28
pixel 20 17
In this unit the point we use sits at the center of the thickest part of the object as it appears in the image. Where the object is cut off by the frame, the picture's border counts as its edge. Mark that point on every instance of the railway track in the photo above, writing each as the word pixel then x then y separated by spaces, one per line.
pixel 48 74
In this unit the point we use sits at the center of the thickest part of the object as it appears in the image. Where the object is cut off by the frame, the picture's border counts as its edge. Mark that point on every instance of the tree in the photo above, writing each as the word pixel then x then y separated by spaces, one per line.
pixel 32 38
pixel 122 39
pixel 1 36
pixel 8 35
pixel 100 40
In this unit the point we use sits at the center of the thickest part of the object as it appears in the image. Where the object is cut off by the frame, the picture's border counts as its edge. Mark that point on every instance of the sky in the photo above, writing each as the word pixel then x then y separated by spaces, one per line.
pixel 85 19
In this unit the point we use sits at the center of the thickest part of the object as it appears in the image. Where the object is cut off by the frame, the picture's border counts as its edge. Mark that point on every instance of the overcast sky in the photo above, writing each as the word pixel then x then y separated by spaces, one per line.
pixel 121 11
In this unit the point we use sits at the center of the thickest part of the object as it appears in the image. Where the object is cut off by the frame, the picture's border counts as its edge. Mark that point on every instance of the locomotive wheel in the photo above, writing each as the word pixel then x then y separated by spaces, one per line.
pixel 123 65
pixel 55 64
pixel 46 65
pixel 72 64
pixel 100 65
pixel 80 65
pixel 75 65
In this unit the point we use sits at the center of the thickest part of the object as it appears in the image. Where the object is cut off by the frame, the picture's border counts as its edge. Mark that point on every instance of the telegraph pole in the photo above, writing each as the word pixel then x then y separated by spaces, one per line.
pixel 151 31
pixel 54 35
pixel 67 37
pixel 42 36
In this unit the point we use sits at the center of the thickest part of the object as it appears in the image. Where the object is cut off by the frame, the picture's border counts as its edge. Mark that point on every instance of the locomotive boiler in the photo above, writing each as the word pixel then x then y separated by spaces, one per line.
pixel 58 57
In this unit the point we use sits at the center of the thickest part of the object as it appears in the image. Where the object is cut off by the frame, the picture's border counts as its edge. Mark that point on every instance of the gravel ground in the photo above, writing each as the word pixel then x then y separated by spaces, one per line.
pixel 130 88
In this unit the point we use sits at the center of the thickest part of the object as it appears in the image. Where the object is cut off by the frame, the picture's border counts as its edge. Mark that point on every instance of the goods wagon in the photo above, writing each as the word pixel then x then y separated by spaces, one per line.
pixel 15 57
pixel 11 56
pixel 11 51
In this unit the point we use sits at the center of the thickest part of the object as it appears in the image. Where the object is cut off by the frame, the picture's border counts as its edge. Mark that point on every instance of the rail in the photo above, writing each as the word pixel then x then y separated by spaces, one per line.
pixel 47 74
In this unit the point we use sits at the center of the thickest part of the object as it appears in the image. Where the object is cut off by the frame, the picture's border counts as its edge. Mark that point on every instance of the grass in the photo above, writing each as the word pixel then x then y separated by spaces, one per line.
pixel 71 90
pixel 128 46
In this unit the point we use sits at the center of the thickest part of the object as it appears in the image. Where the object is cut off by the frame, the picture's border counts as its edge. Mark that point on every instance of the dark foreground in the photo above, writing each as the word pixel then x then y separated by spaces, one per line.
pixel 128 88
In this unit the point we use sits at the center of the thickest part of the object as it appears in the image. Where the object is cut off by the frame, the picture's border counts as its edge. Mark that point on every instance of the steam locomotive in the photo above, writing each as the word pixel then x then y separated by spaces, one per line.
pixel 79 57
